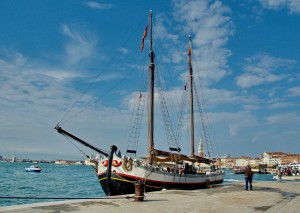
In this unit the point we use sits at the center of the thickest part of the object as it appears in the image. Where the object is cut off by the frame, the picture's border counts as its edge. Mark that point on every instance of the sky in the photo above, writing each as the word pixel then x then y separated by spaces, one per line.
pixel 77 64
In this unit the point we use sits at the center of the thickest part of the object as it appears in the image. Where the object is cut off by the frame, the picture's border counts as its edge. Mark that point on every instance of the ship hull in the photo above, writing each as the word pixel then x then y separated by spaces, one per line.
pixel 122 180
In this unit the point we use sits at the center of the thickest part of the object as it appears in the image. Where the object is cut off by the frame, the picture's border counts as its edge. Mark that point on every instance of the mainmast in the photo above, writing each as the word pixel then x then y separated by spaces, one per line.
pixel 191 97
pixel 151 97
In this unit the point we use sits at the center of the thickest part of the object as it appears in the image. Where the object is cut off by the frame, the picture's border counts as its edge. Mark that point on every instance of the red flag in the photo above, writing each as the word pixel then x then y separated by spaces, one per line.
pixel 143 38
pixel 190 48
pixel 190 52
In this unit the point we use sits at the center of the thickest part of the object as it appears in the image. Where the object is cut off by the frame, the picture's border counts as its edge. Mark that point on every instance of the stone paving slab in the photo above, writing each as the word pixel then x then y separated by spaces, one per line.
pixel 267 196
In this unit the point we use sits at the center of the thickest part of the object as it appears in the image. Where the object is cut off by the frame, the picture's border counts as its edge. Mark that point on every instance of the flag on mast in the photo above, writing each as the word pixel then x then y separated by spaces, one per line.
pixel 190 51
pixel 190 48
pixel 143 38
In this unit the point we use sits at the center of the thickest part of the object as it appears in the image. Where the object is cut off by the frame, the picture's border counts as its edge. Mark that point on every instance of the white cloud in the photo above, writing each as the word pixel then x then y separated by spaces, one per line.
pixel 247 80
pixel 292 5
pixel 281 105
pixel 97 5
pixel 288 119
pixel 162 31
pixel 123 50
pixel 295 91
pixel 28 82
pixel 110 76
pixel 235 121
pixel 273 4
pixel 79 46
pixel 216 97
pixel 34 97
pixel 210 26
pixel 259 70
pixel 60 74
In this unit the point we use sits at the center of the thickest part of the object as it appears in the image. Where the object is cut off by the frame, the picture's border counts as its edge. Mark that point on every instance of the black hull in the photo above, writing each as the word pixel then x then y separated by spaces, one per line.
pixel 122 185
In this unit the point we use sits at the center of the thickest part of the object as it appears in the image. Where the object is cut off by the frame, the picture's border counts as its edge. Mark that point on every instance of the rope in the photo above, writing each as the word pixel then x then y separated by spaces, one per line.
pixel 62 198
pixel 105 67
pixel 92 167
pixel 77 147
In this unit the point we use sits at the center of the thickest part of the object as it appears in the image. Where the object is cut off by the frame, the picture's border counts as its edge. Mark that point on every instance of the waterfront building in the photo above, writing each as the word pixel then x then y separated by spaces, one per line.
pixel 290 158
pixel 227 161
pixel 272 158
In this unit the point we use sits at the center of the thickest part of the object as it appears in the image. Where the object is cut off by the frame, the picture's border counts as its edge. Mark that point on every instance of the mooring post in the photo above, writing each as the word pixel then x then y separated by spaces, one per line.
pixel 139 191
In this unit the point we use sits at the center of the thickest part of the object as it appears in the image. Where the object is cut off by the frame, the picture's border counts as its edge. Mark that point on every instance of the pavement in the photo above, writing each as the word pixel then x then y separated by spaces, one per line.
pixel 267 196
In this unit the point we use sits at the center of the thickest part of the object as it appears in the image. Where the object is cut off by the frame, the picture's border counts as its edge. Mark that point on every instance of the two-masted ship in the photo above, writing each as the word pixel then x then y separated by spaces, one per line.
pixel 160 169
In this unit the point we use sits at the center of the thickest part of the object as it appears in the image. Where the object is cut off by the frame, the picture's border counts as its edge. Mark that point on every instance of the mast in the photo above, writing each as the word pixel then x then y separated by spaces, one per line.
pixel 151 97
pixel 191 97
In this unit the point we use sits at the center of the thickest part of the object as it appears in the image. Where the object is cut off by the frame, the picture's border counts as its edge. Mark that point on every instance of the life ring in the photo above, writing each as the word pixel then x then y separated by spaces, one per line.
pixel 127 164
pixel 116 163
pixel 105 163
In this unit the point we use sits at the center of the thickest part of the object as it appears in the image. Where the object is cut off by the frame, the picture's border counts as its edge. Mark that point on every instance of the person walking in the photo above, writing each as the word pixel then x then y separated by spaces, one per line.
pixel 248 177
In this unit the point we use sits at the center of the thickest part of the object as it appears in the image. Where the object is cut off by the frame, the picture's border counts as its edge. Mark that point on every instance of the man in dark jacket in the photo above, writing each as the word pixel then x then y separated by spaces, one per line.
pixel 248 177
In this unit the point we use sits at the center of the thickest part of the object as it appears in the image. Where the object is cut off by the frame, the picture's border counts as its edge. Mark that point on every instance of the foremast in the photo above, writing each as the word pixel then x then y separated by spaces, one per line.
pixel 191 97
pixel 151 97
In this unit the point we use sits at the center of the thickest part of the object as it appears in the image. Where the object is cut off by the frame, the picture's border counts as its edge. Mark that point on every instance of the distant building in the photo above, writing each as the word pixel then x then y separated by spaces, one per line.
pixel 227 162
pixel 272 158
pixel 277 158
pixel 268 159
pixel 13 159
pixel 290 158
pixel 254 162
pixel 243 161
pixel 61 162
pixel 91 160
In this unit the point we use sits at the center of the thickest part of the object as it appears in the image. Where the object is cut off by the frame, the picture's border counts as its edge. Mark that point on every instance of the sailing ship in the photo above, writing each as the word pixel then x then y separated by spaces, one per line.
pixel 160 169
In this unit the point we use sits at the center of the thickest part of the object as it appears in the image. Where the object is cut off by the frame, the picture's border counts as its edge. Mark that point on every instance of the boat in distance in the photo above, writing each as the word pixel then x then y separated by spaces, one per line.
pixel 33 168
pixel 159 169
pixel 238 170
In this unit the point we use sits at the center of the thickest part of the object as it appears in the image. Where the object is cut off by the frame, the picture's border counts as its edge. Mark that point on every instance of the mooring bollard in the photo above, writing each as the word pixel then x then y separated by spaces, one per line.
pixel 139 191
pixel 207 182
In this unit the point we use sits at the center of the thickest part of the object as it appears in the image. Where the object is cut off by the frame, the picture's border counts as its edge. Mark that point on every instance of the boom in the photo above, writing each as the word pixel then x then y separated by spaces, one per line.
pixel 64 132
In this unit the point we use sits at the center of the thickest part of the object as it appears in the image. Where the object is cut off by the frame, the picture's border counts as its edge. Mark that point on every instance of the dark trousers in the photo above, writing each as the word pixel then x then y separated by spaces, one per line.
pixel 248 180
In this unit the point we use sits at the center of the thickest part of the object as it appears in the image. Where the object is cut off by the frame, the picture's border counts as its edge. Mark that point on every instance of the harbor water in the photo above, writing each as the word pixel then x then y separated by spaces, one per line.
pixel 55 181
pixel 64 181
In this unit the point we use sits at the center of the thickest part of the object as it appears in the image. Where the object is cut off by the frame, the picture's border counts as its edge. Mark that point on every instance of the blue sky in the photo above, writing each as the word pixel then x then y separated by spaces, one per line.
pixel 58 57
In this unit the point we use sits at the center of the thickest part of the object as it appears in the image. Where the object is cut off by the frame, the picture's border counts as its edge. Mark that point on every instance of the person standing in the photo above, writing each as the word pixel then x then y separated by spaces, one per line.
pixel 248 177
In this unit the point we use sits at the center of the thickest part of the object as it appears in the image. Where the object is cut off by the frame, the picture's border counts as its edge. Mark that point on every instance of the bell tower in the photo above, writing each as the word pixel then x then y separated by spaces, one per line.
pixel 200 148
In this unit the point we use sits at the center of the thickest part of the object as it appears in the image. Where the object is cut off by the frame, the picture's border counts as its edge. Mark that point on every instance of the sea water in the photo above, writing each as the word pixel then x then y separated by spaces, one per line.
pixel 231 177
pixel 55 181
pixel 63 181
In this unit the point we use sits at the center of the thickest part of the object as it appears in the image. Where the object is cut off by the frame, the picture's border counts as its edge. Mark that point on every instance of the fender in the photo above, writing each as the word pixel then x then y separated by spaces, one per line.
pixel 116 163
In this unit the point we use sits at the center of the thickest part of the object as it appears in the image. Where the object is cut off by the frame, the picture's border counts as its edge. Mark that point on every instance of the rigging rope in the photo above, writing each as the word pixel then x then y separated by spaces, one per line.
pixel 135 128
pixel 203 119
pixel 95 80
pixel 182 111
pixel 166 116
pixel 77 147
